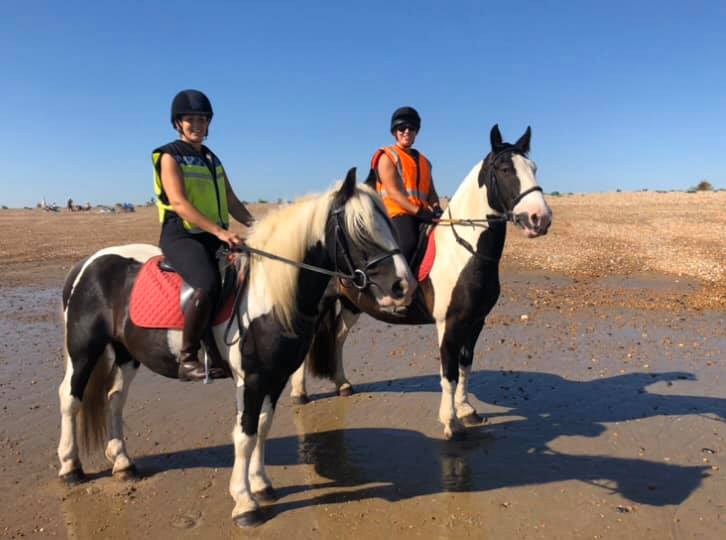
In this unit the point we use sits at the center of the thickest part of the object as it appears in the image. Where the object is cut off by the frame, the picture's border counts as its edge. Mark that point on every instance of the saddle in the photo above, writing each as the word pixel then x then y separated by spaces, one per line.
pixel 159 295
pixel 423 257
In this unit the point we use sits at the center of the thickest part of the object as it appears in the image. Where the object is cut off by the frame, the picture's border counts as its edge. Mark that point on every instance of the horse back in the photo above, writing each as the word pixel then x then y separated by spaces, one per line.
pixel 70 281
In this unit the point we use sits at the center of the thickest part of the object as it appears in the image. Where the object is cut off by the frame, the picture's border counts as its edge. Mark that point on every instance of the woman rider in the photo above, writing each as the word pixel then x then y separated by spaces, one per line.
pixel 195 198
pixel 404 181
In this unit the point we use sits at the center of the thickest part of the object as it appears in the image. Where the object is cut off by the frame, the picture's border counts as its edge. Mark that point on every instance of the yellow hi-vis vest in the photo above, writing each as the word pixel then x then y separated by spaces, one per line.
pixel 204 183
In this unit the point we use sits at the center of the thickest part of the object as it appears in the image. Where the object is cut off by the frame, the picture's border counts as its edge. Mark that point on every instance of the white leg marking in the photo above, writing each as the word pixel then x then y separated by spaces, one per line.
pixel 346 321
pixel 69 407
pixel 461 399
pixel 116 448
pixel 297 381
pixel 244 445
pixel 258 478
pixel 239 486
pixel 447 408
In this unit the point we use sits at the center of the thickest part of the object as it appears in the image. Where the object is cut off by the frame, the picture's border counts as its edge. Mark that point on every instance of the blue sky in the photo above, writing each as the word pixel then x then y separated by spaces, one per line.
pixel 627 95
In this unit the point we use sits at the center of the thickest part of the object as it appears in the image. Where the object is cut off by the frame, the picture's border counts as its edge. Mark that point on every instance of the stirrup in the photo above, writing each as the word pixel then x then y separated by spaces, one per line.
pixel 190 373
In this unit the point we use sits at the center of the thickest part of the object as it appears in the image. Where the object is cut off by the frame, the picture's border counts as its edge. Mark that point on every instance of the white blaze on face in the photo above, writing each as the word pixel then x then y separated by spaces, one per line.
pixel 533 204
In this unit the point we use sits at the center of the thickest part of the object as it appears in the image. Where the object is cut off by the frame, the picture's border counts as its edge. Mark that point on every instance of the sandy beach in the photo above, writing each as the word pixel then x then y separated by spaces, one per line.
pixel 601 374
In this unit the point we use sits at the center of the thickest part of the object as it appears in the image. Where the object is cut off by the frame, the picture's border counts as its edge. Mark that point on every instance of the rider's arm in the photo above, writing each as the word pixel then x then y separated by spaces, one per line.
pixel 433 199
pixel 392 184
pixel 173 184
pixel 236 207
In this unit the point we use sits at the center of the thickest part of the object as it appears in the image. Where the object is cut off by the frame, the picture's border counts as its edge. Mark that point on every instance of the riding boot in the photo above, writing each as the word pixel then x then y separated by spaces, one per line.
pixel 196 319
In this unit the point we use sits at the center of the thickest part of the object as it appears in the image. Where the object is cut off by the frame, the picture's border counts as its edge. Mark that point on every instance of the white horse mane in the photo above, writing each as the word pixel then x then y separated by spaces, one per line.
pixel 291 229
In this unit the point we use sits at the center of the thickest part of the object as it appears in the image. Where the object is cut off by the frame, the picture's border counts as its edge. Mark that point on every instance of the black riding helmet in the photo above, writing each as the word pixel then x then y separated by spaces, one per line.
pixel 405 116
pixel 190 102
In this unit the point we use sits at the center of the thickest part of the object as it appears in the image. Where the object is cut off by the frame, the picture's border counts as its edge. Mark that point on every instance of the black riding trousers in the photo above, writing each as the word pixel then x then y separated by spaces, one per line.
pixel 192 255
pixel 406 228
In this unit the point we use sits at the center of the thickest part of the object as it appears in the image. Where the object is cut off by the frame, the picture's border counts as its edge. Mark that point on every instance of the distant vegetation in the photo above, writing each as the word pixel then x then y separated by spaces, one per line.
pixel 704 185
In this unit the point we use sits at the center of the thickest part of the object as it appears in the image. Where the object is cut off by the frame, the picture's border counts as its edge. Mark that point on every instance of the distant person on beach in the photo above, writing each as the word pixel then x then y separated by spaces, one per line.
pixel 404 181
pixel 195 199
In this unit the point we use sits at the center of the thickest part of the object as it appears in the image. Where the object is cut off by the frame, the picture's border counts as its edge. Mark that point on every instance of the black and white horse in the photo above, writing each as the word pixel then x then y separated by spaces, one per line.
pixel 463 284
pixel 343 229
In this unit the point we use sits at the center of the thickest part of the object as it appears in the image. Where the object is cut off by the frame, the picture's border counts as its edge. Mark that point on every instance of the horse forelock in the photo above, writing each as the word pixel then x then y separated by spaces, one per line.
pixel 364 214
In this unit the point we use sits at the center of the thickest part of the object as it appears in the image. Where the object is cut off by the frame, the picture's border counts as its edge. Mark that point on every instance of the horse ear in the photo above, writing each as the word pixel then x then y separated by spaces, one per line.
pixel 496 138
pixel 523 142
pixel 347 190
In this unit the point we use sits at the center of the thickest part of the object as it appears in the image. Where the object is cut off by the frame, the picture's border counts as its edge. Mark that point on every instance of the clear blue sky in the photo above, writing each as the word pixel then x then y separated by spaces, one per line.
pixel 619 94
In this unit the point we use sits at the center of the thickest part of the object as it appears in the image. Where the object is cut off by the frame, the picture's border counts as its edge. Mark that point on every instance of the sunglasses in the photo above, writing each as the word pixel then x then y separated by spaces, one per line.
pixel 403 128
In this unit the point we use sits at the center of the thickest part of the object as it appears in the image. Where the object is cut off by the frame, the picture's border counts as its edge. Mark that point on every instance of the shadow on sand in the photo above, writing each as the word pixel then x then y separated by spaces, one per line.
pixel 403 463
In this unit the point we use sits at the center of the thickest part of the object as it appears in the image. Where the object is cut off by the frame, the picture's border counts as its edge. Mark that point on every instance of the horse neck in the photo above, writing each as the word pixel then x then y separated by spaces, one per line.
pixel 469 202
pixel 295 233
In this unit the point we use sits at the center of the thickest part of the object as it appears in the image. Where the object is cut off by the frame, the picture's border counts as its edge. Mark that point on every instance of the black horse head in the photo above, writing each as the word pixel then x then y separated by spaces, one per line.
pixel 509 176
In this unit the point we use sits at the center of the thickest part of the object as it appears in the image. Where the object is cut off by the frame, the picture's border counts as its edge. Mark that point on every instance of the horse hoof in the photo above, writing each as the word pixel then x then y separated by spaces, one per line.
pixel 266 495
pixel 128 474
pixel 471 420
pixel 251 518
pixel 302 399
pixel 455 436
pixel 73 478
pixel 345 391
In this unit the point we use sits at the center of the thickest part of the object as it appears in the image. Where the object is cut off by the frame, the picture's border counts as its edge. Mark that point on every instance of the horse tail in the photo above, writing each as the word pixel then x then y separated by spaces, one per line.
pixel 321 358
pixel 94 406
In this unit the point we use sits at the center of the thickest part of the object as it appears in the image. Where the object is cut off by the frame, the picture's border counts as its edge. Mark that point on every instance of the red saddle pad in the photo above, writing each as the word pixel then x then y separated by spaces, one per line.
pixel 428 259
pixel 155 299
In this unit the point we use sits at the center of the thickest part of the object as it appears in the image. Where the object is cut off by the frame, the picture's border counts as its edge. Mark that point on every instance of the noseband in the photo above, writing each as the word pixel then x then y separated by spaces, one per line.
pixel 358 277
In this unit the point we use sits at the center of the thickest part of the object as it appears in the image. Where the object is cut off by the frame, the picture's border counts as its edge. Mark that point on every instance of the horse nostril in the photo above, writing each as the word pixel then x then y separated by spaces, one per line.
pixel 398 290
pixel 535 219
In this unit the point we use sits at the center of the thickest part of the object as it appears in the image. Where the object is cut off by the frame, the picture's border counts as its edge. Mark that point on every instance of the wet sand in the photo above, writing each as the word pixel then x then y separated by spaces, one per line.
pixel 605 407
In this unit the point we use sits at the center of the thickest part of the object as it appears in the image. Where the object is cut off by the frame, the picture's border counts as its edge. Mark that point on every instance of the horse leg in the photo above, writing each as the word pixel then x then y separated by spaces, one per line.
pixel 246 512
pixel 453 428
pixel 298 389
pixel 259 482
pixel 345 321
pixel 464 410
pixel 81 359
pixel 122 375
pixel 70 465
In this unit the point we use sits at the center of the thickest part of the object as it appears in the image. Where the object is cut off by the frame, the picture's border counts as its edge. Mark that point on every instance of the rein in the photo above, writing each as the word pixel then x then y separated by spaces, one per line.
pixel 357 276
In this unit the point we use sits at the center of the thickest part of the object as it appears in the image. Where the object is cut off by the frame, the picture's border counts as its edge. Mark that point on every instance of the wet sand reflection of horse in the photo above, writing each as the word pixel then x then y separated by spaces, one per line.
pixel 519 454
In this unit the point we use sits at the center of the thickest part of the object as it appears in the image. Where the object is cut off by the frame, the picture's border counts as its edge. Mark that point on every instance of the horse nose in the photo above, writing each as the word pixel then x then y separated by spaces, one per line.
pixel 541 223
pixel 399 289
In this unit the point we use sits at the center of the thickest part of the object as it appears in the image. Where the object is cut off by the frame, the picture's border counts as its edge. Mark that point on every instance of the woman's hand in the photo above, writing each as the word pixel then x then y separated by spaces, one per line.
pixel 229 237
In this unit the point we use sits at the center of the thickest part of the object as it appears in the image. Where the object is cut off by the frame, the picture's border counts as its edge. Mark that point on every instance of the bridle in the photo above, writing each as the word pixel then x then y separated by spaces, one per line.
pixel 506 211
pixel 358 277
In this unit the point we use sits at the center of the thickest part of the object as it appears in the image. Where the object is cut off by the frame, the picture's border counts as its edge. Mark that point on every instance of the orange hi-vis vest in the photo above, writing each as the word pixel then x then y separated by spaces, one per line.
pixel 415 172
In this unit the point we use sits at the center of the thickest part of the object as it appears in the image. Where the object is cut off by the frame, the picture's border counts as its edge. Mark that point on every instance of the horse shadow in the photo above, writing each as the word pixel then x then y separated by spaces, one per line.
pixel 397 464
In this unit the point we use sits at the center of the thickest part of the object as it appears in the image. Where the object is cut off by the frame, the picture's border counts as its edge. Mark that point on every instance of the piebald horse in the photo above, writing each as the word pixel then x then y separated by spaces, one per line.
pixel 344 229
pixel 463 284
